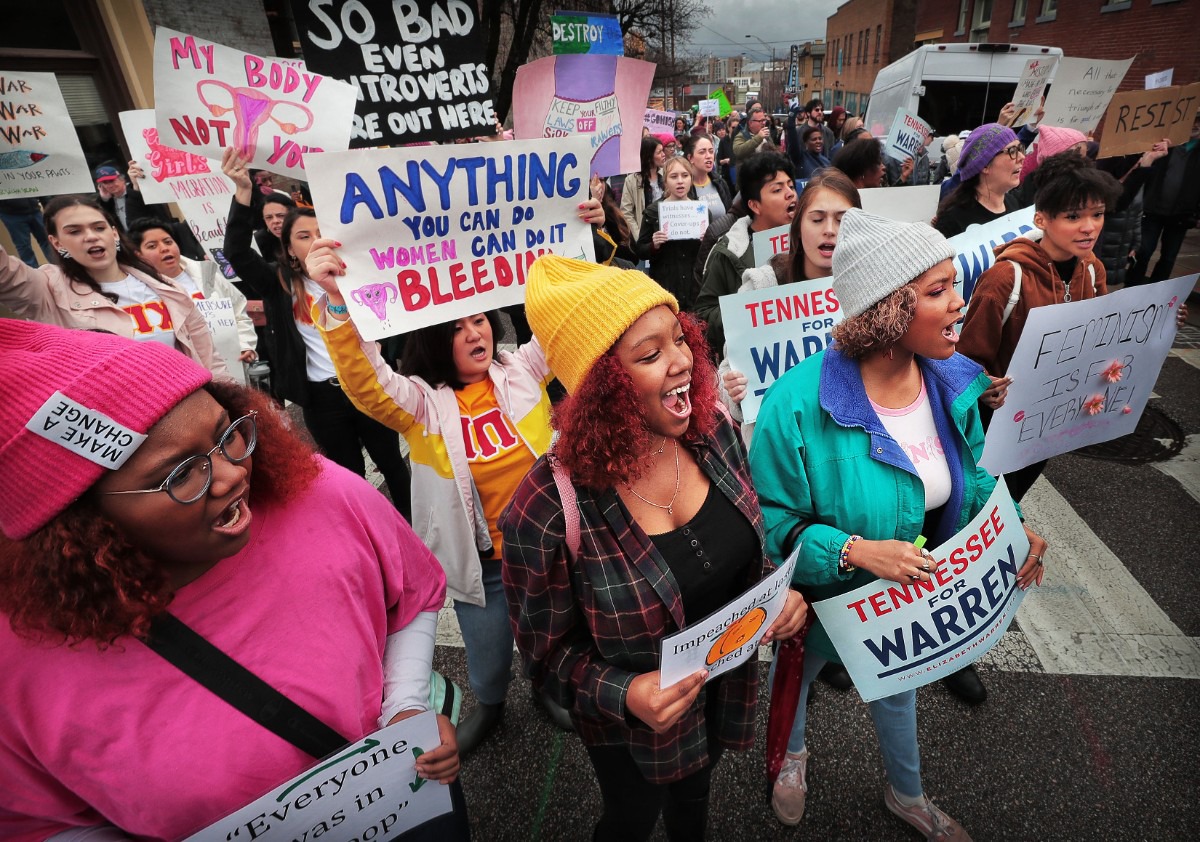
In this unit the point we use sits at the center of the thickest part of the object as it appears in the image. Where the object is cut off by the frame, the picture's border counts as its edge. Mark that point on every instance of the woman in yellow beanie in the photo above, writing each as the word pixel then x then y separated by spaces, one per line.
pixel 665 529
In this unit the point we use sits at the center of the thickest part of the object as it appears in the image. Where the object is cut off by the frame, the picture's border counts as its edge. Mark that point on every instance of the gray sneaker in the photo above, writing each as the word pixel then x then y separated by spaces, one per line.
pixel 791 789
pixel 934 825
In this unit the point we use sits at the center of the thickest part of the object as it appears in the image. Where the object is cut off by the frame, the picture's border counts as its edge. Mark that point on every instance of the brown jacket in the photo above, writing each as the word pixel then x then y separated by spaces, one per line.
pixel 986 337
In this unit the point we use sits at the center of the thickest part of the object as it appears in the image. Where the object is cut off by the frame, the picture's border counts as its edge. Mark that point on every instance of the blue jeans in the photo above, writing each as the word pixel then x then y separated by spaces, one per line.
pixel 488 638
pixel 895 724
pixel 20 227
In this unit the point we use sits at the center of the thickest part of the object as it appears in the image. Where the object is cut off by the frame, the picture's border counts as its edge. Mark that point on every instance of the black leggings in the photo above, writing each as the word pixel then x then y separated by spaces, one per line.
pixel 341 431
pixel 632 804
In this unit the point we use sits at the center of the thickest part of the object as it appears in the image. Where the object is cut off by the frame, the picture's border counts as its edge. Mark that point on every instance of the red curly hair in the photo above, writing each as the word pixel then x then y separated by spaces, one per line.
pixel 602 427
pixel 78 578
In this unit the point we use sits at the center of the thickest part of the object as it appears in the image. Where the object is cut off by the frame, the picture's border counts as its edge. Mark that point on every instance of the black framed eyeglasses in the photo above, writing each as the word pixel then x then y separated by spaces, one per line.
pixel 191 478
pixel 1013 152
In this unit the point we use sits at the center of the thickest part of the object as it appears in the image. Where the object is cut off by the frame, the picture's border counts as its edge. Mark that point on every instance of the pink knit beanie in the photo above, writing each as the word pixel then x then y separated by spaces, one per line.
pixel 1051 140
pixel 73 404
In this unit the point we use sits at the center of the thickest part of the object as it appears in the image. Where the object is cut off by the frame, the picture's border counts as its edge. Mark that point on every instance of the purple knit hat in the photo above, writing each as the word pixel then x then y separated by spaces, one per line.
pixel 981 146
pixel 75 404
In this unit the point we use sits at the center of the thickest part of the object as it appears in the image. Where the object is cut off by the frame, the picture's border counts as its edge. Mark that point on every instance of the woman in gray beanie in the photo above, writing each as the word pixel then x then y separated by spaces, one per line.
pixel 864 447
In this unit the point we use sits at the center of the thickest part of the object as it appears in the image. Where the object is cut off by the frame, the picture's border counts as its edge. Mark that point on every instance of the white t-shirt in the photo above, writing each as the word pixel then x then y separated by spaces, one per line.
pixel 317 362
pixel 913 429
pixel 709 195
pixel 151 318
pixel 189 285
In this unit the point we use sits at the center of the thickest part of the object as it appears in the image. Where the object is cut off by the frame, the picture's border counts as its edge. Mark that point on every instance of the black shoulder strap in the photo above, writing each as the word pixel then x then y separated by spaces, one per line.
pixel 195 656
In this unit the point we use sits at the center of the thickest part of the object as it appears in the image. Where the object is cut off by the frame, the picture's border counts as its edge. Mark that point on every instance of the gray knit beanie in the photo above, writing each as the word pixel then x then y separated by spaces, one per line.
pixel 875 256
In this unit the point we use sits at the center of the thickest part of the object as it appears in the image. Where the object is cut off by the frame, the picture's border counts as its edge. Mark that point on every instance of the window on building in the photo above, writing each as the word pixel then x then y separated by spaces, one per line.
pixel 981 21
pixel 851 103
pixel 1049 8
pixel 837 96
pixel 818 69
pixel 878 41
pixel 1020 8
pixel 866 49
pixel 850 48
pixel 964 14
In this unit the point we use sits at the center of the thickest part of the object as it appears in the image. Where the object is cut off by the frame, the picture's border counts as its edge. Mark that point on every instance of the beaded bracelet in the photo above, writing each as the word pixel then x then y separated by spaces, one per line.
pixel 844 565
pixel 337 309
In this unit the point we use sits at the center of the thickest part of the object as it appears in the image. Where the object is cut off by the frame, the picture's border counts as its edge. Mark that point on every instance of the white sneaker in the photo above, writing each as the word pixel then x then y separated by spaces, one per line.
pixel 791 789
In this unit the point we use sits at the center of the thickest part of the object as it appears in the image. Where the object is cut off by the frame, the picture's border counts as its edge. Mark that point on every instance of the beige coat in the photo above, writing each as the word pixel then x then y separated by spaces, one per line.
pixel 47 295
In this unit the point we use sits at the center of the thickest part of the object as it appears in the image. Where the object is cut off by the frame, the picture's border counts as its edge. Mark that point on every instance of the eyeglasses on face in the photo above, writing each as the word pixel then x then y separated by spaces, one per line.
pixel 1014 152
pixel 191 478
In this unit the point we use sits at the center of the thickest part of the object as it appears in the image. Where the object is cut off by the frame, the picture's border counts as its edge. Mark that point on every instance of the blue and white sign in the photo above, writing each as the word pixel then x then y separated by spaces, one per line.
pixel 894 637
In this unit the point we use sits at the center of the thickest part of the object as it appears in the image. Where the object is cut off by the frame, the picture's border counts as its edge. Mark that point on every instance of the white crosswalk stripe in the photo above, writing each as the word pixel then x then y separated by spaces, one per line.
pixel 1090 616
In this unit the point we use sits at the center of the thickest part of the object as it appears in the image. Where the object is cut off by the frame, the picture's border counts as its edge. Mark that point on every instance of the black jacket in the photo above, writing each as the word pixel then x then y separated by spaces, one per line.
pixel 1187 200
pixel 671 264
pixel 259 279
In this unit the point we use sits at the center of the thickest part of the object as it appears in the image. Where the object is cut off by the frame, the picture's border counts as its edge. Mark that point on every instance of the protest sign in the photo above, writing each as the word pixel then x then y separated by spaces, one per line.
pixel 602 98
pixel 171 174
pixel 197 184
pixel 1136 120
pixel 40 153
pixel 709 108
pixel 723 101
pixel 773 241
pixel 914 203
pixel 767 331
pixel 683 220
pixel 894 637
pixel 1082 373
pixel 222 324
pixel 659 122
pixel 590 33
pixel 274 111
pixel 907 136
pixel 1081 91
pixel 976 246
pixel 1030 88
pixel 367 790
pixel 417 66
pixel 433 234
pixel 727 637
pixel 1161 79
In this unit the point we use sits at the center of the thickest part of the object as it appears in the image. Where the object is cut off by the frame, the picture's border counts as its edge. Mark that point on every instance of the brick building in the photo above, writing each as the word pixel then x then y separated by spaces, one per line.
pixel 861 37
pixel 810 81
pixel 1161 33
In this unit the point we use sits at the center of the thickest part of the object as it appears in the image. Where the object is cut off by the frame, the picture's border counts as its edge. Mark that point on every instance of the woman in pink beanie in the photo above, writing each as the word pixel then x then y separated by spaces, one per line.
pixel 1051 141
pixel 145 506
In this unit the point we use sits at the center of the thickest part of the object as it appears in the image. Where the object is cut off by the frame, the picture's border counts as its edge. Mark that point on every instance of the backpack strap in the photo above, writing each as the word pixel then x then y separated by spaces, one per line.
pixel 199 659
pixel 570 504
pixel 1015 295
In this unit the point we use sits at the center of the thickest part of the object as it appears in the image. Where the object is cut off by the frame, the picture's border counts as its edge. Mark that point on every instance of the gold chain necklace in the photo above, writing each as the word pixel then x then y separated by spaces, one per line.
pixel 671 503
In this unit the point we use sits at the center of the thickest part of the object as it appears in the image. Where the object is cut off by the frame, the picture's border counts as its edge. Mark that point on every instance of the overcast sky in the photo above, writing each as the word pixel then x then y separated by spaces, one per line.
pixel 780 23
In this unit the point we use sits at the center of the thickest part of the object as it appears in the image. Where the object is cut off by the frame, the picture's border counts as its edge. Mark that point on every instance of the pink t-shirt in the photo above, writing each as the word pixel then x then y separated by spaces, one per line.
pixel 913 429
pixel 121 736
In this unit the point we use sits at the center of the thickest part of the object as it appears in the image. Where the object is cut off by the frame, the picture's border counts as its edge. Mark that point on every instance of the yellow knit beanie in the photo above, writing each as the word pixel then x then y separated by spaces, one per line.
pixel 578 310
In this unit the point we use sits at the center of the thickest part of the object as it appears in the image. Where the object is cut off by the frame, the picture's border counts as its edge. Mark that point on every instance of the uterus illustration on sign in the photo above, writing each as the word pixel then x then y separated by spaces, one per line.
pixel 251 110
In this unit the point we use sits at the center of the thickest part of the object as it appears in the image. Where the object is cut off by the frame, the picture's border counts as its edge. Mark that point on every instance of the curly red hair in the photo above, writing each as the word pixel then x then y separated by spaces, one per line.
pixel 79 578
pixel 602 427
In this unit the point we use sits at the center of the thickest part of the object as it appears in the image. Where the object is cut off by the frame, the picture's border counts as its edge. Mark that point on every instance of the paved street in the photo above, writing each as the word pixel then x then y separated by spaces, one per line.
pixel 1091 729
